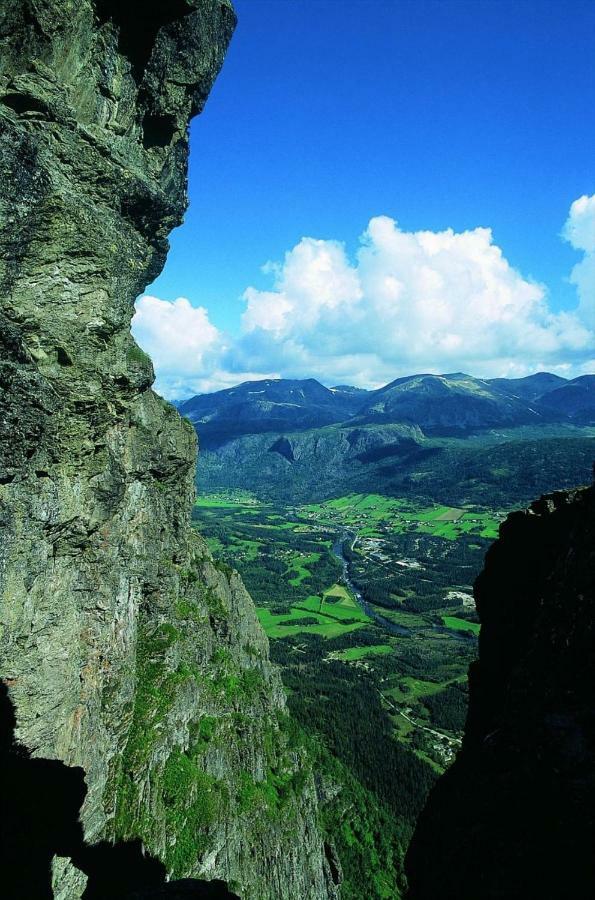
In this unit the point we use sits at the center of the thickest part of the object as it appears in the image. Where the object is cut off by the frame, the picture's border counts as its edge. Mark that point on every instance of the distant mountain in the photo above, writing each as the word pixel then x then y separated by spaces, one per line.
pixel 448 404
pixel 455 404
pixel 439 437
pixel 574 400
pixel 348 391
pixel 531 387
pixel 258 407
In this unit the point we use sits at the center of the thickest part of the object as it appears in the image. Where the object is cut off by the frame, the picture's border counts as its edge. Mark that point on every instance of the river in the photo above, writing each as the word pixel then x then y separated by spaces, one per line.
pixel 376 616
pixel 367 608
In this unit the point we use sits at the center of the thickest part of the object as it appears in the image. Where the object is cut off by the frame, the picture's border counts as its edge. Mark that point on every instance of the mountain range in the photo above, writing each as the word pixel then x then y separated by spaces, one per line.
pixel 447 438
pixel 440 405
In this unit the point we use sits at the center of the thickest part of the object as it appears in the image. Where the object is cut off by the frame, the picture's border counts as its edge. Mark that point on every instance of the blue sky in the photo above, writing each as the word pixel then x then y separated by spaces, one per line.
pixel 437 115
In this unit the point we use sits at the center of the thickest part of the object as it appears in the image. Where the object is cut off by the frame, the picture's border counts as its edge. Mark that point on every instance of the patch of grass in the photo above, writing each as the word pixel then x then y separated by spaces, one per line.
pixel 300 564
pixel 360 652
pixel 192 802
pixel 369 514
pixel 137 357
pixel 285 624
pixel 460 624
pixel 327 619
pixel 341 606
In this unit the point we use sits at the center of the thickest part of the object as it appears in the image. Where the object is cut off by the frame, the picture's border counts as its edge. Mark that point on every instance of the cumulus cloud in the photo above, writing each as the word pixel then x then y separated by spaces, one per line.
pixel 579 230
pixel 407 302
pixel 186 348
pixel 181 341
pixel 410 301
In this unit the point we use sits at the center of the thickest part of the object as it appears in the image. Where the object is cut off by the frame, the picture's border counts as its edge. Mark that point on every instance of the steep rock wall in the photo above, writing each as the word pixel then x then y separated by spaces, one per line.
pixel 513 817
pixel 126 650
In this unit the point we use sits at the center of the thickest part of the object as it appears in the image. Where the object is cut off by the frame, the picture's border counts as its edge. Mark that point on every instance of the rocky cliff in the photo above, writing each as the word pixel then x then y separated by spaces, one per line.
pixel 513 817
pixel 126 650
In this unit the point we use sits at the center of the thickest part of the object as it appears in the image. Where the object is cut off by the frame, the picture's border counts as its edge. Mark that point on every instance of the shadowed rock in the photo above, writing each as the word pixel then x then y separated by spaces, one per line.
pixel 513 817
pixel 39 819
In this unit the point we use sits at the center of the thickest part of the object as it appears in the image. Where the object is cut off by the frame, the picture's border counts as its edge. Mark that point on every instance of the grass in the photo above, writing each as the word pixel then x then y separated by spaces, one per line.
pixel 299 565
pixel 410 689
pixel 406 619
pixel 457 624
pixel 332 619
pixel 360 652
pixel 284 553
pixel 369 514
pixel 336 603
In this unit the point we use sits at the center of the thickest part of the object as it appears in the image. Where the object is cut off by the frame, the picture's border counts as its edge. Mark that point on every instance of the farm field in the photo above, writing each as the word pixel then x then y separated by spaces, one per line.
pixel 362 652
pixel 333 614
pixel 367 604
pixel 413 568
pixel 460 624
pixel 373 514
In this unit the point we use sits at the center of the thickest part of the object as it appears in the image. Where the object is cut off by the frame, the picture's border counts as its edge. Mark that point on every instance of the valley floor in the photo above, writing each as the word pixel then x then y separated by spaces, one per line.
pixel 368 604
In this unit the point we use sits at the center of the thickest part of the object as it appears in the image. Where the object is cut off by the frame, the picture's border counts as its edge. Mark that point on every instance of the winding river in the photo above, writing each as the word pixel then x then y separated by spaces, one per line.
pixel 367 608
pixel 376 616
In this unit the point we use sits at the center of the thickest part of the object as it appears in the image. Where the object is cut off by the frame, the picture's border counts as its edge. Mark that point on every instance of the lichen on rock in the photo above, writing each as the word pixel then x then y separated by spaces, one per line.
pixel 127 651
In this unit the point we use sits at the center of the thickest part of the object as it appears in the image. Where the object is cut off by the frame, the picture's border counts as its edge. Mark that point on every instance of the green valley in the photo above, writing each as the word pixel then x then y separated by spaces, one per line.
pixel 359 524
pixel 367 602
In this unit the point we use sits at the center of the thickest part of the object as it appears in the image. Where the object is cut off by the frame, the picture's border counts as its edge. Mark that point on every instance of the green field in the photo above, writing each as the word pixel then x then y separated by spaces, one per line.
pixel 336 613
pixel 373 514
pixel 410 689
pixel 418 561
pixel 354 653
pixel 460 624
pixel 338 603
pixel 280 626
pixel 301 565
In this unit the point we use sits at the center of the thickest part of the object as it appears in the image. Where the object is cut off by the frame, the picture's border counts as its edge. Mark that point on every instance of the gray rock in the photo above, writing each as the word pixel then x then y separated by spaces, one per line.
pixel 127 651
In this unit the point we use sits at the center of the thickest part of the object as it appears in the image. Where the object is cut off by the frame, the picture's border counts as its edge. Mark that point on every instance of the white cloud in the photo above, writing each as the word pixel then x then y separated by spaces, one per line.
pixel 579 230
pixel 408 302
pixel 411 301
pixel 181 341
pixel 314 283
pixel 580 225
pixel 186 348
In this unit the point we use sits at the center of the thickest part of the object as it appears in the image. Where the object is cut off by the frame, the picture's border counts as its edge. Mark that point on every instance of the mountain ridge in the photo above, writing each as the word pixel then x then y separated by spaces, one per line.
pixel 440 405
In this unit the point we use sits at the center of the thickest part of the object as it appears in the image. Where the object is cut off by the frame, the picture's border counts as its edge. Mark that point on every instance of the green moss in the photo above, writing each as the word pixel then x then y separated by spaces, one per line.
pixel 223 568
pixel 169 633
pixel 207 728
pixel 137 357
pixel 156 684
pixel 189 575
pixel 186 800
pixel 181 800
pixel 251 682
pixel 273 794
pixel 222 657
pixel 202 733
pixel 187 609
pixel 193 801
pixel 178 775
pixel 215 604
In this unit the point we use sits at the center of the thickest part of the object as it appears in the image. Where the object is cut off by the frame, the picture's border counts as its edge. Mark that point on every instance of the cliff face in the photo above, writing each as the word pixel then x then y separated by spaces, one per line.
pixel 513 817
pixel 126 650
